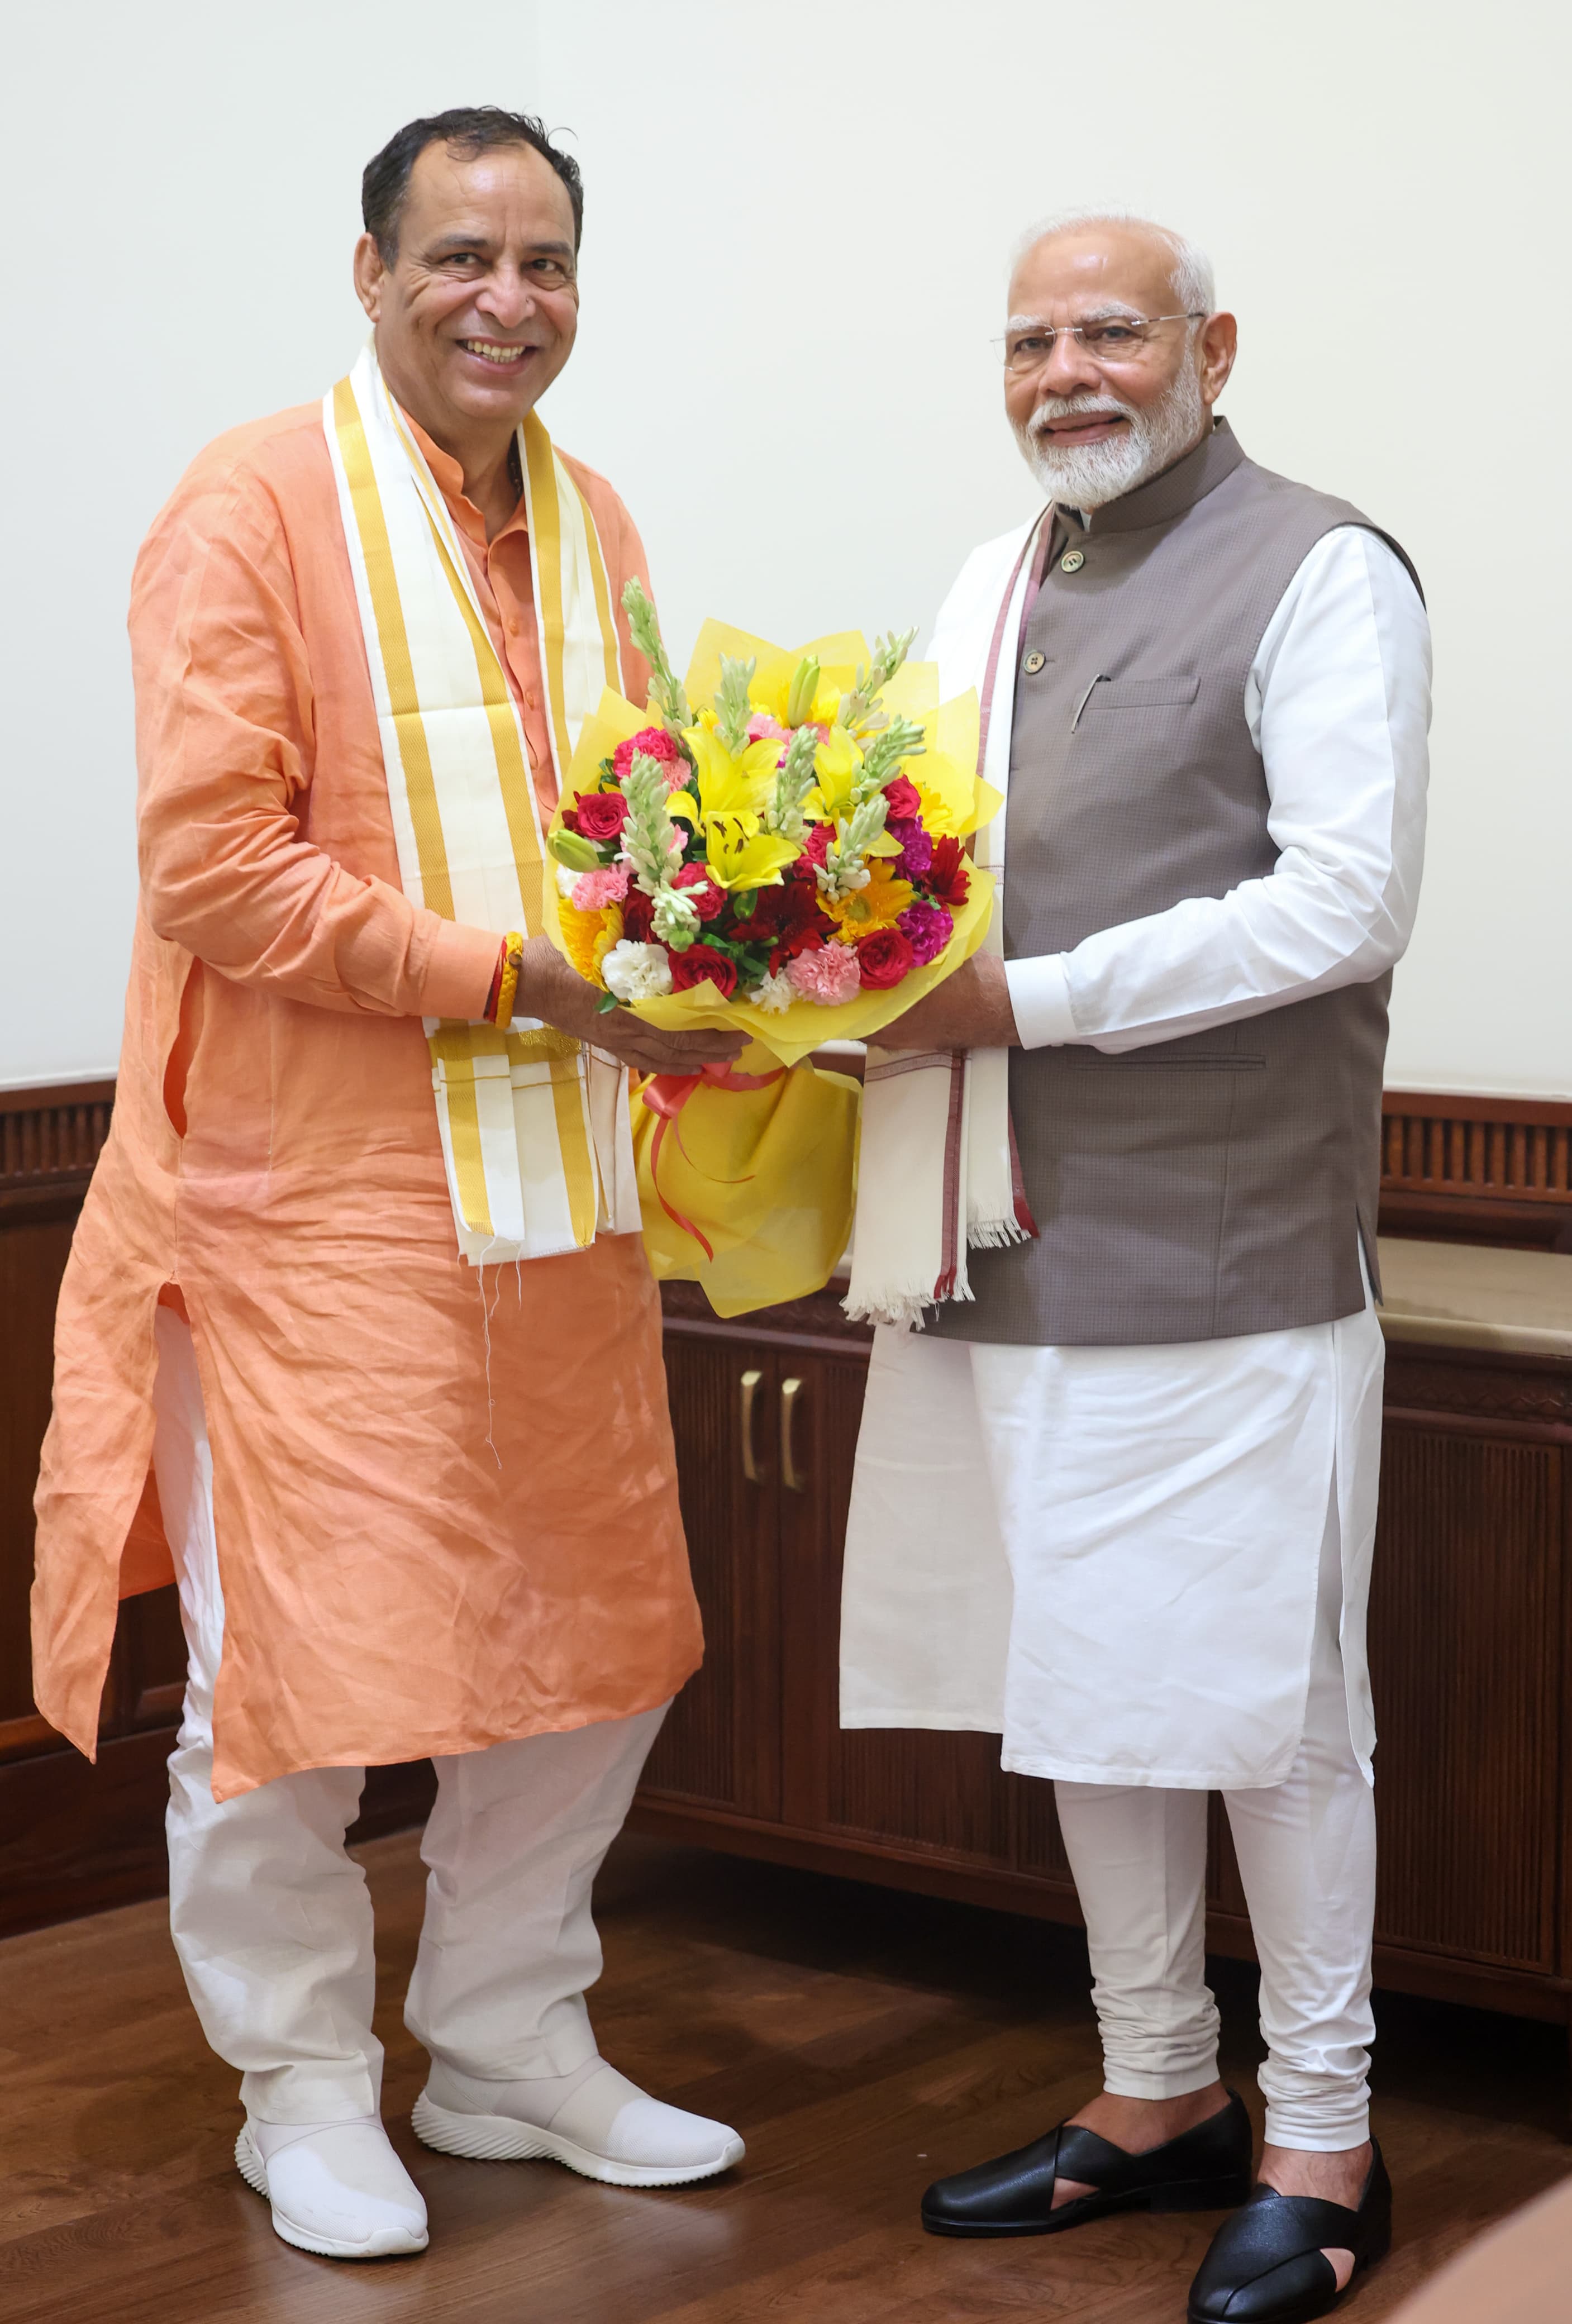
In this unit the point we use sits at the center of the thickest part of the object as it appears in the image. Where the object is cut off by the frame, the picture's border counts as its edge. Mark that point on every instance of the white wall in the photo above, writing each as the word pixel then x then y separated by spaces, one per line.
pixel 187 178
pixel 797 224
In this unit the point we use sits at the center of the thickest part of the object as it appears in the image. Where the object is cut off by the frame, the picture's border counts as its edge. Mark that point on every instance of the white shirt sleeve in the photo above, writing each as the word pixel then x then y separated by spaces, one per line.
pixel 1338 703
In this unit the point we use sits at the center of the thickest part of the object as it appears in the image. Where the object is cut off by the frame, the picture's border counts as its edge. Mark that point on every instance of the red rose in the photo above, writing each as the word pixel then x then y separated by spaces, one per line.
pixel 902 799
pixel 638 915
pixel 709 896
pixel 599 816
pixel 815 845
pixel 653 742
pixel 883 958
pixel 948 882
pixel 701 961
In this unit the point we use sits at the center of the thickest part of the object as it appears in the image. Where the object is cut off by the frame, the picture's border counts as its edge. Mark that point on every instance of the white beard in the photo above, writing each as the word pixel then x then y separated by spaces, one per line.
pixel 1087 476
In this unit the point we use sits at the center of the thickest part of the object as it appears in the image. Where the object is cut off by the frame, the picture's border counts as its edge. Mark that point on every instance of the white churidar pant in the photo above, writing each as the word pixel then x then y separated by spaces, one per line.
pixel 1306 1855
pixel 1147 1570
pixel 270 1917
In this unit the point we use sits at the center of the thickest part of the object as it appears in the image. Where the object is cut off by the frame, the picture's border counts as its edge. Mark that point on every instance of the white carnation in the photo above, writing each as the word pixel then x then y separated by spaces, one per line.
pixel 567 879
pixel 637 971
pixel 777 992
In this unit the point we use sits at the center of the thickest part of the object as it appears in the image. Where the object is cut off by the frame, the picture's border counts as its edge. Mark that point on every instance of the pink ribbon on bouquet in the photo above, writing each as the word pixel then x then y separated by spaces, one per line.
pixel 666 1095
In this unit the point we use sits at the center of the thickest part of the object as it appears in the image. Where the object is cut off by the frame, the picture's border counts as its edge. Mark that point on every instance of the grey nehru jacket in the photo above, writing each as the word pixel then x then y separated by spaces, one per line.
pixel 1217 1183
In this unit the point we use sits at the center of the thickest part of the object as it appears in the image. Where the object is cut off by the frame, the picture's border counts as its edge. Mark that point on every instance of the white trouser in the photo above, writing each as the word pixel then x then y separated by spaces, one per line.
pixel 1306 1855
pixel 270 1917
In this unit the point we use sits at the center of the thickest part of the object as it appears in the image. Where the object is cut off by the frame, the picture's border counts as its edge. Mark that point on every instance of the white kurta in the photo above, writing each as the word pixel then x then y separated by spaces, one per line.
pixel 1108 1555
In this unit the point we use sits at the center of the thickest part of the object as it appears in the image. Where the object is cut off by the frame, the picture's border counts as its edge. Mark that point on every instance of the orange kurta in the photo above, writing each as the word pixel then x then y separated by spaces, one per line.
pixel 445 1501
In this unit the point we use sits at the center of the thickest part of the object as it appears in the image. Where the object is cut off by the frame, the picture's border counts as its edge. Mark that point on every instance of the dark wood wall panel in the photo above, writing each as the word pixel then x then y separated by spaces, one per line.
pixel 1039 1845
pixel 32 1258
pixel 927 1789
pixel 1466 1658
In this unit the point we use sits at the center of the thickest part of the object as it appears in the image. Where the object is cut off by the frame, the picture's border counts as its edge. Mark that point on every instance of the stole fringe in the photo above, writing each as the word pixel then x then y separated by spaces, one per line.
pixel 904 1310
pixel 995 1234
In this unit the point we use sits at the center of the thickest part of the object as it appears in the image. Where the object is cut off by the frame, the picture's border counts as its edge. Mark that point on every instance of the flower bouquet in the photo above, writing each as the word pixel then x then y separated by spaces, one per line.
pixel 785 858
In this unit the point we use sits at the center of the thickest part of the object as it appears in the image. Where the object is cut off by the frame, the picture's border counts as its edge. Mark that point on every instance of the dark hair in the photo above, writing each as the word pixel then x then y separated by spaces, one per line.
pixel 467 130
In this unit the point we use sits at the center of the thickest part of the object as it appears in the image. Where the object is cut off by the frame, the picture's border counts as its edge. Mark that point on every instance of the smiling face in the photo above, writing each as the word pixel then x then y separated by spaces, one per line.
pixel 477 313
pixel 1095 423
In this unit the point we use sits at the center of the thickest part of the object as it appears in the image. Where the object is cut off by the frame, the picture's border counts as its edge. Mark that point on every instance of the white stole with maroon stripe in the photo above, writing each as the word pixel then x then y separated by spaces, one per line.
pixel 937 1171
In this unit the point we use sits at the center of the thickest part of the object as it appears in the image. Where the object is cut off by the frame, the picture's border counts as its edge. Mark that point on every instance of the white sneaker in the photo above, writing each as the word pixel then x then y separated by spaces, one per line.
pixel 336 2188
pixel 595 2121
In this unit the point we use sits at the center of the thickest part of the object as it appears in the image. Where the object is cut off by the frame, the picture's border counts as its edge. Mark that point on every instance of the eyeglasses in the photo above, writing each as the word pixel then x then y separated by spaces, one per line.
pixel 1112 339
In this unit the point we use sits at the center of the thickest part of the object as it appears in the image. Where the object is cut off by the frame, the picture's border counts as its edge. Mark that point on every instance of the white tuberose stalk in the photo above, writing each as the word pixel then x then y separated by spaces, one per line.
pixel 652 848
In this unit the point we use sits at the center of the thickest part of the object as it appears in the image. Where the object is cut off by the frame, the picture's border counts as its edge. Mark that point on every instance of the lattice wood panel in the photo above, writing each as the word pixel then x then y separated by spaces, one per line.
pixel 1492 1150
pixel 46 1141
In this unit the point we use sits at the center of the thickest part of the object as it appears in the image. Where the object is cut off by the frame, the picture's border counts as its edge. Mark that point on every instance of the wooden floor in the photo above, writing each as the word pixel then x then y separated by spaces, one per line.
pixel 863 2042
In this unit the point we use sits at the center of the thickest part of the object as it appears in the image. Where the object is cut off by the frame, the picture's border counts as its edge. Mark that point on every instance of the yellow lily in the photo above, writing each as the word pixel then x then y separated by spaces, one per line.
pixel 837 764
pixel 729 786
pixel 741 855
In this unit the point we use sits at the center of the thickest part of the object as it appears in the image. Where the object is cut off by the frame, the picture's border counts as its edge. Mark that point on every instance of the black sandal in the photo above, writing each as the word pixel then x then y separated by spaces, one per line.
pixel 1266 2265
pixel 1207 2168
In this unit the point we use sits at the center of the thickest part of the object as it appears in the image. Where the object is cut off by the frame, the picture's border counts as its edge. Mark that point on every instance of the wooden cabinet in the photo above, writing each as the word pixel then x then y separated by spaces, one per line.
pixel 75 1836
pixel 1470 1638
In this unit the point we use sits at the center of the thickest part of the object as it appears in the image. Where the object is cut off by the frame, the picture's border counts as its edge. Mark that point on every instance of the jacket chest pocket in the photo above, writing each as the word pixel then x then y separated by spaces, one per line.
pixel 1180 687
pixel 1147 693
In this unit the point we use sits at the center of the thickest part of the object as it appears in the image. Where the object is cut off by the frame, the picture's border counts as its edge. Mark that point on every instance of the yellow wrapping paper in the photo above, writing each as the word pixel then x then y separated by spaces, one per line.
pixel 768 1176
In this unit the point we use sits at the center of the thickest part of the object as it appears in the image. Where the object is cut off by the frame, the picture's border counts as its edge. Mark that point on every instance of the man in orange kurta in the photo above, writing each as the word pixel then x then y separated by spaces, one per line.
pixel 413 1506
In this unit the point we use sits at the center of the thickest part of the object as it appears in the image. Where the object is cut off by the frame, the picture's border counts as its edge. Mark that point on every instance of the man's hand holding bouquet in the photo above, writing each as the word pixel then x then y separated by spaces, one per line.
pixel 787 860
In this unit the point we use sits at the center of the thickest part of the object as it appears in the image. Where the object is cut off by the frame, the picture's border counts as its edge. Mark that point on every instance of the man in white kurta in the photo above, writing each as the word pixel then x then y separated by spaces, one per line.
pixel 1145 1563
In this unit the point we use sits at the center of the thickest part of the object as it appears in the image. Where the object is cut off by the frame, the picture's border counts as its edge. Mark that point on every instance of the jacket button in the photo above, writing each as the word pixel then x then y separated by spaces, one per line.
pixel 1034 663
pixel 1072 560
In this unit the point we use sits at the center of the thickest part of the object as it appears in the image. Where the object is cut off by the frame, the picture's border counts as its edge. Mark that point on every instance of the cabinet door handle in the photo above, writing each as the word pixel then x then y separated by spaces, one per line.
pixel 750 1386
pixel 791 1476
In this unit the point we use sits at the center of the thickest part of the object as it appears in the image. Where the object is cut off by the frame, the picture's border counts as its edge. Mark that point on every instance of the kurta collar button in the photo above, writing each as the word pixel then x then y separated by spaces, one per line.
pixel 1033 662
pixel 1072 560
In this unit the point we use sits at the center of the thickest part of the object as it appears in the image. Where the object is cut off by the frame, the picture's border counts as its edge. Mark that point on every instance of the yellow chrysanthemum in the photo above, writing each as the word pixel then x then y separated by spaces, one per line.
pixel 879 905
pixel 588 937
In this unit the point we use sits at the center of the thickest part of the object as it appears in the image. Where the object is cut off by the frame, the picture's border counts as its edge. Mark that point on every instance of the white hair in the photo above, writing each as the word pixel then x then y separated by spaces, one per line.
pixel 1194 285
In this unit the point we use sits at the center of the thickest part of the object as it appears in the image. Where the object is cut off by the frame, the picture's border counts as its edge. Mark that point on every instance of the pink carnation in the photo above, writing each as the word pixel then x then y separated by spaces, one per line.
pixel 927 928
pixel 829 975
pixel 592 891
pixel 763 728
pixel 652 742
